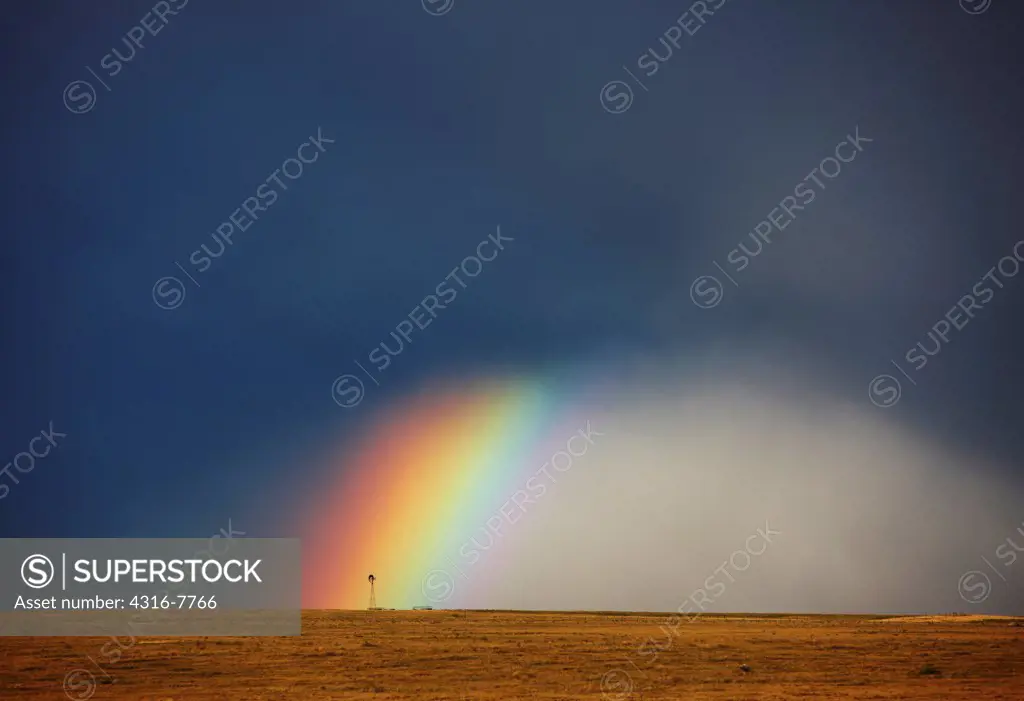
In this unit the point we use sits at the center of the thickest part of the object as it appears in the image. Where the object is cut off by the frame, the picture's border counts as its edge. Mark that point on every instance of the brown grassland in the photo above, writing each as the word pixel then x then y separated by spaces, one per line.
pixel 540 656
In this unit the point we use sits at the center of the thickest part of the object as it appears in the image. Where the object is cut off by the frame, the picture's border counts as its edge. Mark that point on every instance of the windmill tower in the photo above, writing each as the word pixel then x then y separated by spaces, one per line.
pixel 373 595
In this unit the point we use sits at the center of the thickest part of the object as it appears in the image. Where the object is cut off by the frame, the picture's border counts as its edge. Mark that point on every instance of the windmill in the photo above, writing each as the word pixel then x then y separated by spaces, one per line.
pixel 373 595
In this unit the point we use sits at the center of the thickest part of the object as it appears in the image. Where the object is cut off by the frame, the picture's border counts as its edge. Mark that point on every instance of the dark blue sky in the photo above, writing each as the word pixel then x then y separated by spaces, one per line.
pixel 445 127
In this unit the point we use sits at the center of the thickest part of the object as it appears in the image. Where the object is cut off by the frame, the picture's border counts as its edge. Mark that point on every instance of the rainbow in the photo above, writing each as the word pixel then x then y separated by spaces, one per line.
pixel 419 483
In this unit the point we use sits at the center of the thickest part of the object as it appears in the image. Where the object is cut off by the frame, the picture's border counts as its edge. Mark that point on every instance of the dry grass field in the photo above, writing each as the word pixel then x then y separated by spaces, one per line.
pixel 539 656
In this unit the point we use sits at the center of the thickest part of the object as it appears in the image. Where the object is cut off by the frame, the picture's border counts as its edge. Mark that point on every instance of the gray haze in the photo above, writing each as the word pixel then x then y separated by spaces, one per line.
pixel 874 516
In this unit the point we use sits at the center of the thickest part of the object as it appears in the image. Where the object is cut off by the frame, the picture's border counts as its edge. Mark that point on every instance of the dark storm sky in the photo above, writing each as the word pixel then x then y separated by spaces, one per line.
pixel 445 127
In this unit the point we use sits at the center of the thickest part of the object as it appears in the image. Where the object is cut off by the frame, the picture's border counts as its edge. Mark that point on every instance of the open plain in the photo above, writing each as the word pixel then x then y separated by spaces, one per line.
pixel 489 656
